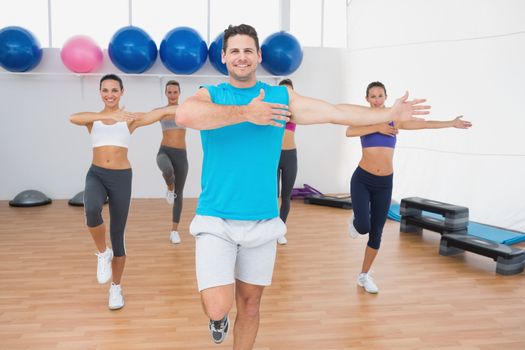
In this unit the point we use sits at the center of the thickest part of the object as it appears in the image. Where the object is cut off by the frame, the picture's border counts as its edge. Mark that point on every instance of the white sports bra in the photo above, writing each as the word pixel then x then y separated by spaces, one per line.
pixel 110 135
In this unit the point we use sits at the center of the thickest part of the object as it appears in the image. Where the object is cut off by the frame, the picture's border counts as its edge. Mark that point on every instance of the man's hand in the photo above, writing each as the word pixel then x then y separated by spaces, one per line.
pixel 264 113
pixel 406 110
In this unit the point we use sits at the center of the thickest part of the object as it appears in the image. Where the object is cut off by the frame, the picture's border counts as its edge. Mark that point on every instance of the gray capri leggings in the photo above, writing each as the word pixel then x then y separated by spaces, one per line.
pixel 286 174
pixel 173 162
pixel 114 184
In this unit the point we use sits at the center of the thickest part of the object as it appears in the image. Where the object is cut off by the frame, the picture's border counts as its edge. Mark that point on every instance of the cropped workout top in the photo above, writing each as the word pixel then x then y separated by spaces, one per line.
pixel 169 123
pixel 110 135
pixel 290 126
pixel 378 140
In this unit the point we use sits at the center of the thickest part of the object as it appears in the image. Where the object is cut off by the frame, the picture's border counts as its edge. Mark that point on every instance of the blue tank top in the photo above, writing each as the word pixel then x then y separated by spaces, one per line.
pixel 239 167
pixel 378 140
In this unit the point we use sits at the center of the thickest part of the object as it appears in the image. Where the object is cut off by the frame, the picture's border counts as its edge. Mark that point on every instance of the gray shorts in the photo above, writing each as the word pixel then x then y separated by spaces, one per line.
pixel 229 250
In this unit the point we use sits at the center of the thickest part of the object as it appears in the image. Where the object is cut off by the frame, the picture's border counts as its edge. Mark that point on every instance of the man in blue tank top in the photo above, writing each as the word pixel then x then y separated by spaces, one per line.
pixel 237 223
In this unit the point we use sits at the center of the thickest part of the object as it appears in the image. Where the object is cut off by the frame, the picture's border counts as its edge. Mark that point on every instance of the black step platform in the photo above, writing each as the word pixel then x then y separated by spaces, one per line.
pixel 455 216
pixel 416 224
pixel 510 261
pixel 345 203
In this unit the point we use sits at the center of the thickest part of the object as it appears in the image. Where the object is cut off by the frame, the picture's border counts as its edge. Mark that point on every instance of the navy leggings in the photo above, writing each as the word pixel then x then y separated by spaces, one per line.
pixel 371 196
pixel 286 174
pixel 115 185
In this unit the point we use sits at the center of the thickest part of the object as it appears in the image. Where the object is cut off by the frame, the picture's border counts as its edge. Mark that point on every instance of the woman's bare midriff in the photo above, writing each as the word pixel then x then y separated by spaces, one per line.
pixel 111 157
pixel 378 160
pixel 288 140
pixel 174 138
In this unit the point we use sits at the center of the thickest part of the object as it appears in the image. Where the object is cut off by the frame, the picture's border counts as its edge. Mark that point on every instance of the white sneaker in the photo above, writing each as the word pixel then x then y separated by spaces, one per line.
pixel 282 240
pixel 170 196
pixel 351 229
pixel 174 237
pixel 104 266
pixel 116 300
pixel 367 282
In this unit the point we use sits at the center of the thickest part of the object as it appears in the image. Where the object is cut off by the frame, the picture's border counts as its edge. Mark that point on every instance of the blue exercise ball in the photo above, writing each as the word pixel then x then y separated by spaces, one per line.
pixel 20 51
pixel 215 54
pixel 281 53
pixel 183 51
pixel 132 50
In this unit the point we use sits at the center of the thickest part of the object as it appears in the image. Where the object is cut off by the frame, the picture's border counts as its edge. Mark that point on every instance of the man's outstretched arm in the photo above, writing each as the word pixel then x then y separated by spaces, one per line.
pixel 307 110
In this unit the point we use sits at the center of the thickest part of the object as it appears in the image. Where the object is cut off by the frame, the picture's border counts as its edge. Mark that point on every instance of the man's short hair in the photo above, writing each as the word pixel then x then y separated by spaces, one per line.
pixel 241 29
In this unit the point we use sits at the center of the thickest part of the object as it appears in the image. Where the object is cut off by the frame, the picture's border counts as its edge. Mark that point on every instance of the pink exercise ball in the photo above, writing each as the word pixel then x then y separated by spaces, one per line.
pixel 81 54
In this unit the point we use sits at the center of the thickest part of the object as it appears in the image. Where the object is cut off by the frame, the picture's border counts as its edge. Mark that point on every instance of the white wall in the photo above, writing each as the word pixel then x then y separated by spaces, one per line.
pixel 467 57
pixel 322 156
pixel 41 149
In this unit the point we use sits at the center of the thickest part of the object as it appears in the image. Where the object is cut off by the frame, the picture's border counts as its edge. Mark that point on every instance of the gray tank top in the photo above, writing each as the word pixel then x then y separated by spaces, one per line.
pixel 168 124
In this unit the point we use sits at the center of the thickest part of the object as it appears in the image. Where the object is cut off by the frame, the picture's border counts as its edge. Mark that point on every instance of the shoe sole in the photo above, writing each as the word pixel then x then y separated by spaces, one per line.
pixel 116 307
pixel 104 282
pixel 223 339
pixel 109 277
pixel 111 274
pixel 353 234
pixel 366 290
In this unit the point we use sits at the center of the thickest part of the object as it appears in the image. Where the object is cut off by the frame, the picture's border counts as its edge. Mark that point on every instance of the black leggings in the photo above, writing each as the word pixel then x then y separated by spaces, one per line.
pixel 114 184
pixel 287 172
pixel 371 196
pixel 173 162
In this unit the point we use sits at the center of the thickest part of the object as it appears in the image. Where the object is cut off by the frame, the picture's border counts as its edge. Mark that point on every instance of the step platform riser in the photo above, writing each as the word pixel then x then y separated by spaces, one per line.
pixel 417 224
pixel 510 261
pixel 344 203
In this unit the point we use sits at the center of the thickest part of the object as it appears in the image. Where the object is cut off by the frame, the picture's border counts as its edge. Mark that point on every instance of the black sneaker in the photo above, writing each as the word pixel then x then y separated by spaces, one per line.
pixel 219 329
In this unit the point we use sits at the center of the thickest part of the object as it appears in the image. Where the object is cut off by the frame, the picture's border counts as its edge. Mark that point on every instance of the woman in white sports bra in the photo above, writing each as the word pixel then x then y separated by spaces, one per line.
pixel 110 177
pixel 172 159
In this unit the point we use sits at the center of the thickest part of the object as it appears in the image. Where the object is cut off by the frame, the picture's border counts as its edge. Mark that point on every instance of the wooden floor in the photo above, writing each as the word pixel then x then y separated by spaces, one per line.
pixel 49 297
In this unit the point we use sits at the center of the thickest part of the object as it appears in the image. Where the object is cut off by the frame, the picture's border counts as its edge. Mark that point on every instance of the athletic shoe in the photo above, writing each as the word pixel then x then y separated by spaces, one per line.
pixel 116 300
pixel 219 329
pixel 104 266
pixel 174 237
pixel 170 196
pixel 282 240
pixel 351 229
pixel 367 282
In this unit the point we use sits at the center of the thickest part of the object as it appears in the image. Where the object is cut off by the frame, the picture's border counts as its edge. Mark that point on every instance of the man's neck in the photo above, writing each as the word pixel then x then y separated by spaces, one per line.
pixel 243 84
